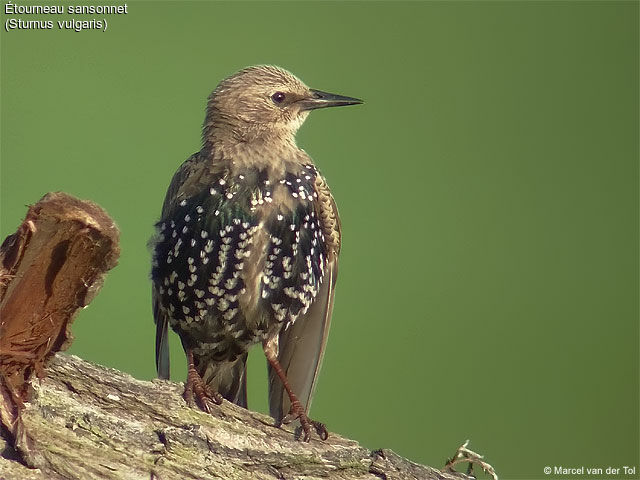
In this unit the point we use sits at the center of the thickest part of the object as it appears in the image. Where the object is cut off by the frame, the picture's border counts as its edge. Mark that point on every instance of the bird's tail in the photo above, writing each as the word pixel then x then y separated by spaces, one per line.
pixel 229 379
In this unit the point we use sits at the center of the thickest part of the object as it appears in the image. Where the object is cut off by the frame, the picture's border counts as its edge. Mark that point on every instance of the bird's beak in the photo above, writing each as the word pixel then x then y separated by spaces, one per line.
pixel 319 99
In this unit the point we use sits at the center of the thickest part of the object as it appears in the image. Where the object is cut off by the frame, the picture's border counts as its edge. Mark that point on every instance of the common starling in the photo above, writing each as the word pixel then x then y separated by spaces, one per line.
pixel 247 248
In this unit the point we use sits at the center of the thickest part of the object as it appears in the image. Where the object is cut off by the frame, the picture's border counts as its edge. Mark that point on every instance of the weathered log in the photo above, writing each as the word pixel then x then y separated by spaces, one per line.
pixel 86 421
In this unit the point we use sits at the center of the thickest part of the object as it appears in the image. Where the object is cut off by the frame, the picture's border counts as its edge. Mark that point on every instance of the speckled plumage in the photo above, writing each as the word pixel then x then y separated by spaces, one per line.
pixel 247 245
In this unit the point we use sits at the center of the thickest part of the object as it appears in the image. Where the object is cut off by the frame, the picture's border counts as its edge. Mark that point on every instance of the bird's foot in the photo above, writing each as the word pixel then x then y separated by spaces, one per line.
pixel 196 387
pixel 297 412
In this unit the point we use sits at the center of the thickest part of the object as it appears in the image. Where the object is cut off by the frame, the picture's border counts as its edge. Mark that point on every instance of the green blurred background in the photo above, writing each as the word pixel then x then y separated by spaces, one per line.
pixel 488 190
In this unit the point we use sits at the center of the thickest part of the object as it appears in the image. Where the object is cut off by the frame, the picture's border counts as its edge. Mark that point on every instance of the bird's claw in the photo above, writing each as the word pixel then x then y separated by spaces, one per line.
pixel 321 429
pixel 204 396
pixel 297 412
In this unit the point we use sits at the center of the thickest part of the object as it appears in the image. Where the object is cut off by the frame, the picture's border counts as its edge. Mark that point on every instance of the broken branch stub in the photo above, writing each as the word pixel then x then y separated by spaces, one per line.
pixel 51 267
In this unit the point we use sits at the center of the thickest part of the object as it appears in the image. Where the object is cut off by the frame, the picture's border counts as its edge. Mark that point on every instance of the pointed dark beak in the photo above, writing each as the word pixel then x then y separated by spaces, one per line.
pixel 320 99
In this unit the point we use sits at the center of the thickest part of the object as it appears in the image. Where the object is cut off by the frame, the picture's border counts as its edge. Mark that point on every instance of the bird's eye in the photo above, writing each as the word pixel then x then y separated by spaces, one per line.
pixel 278 97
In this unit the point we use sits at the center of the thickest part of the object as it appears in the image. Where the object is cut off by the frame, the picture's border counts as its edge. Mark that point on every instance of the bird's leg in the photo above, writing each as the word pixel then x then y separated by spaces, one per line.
pixel 296 410
pixel 195 385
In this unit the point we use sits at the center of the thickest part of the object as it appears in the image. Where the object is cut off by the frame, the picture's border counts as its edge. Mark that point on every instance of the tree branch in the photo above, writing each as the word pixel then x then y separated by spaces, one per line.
pixel 86 421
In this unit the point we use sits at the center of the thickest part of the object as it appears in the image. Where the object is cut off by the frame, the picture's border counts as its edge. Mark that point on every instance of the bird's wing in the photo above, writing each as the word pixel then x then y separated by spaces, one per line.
pixel 302 345
pixel 187 180
pixel 192 176
pixel 162 338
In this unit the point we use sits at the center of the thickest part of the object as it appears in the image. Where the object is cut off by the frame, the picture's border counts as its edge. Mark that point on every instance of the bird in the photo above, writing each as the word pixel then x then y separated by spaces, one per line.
pixel 246 249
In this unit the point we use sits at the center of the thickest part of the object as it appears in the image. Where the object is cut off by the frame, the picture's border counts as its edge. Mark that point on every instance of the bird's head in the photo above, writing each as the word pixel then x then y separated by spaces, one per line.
pixel 263 102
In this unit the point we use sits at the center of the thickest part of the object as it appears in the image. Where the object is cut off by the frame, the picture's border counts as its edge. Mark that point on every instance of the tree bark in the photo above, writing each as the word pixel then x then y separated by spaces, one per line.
pixel 50 268
pixel 85 421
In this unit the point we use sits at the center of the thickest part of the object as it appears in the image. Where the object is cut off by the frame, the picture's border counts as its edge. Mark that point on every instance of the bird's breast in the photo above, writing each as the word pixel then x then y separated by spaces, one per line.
pixel 240 257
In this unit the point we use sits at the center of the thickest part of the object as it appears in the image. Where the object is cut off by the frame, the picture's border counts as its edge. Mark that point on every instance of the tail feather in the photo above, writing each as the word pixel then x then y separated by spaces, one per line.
pixel 228 379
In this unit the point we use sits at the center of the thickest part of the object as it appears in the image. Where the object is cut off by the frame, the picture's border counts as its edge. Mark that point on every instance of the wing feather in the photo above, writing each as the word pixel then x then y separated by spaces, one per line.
pixel 162 339
pixel 189 178
pixel 302 345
